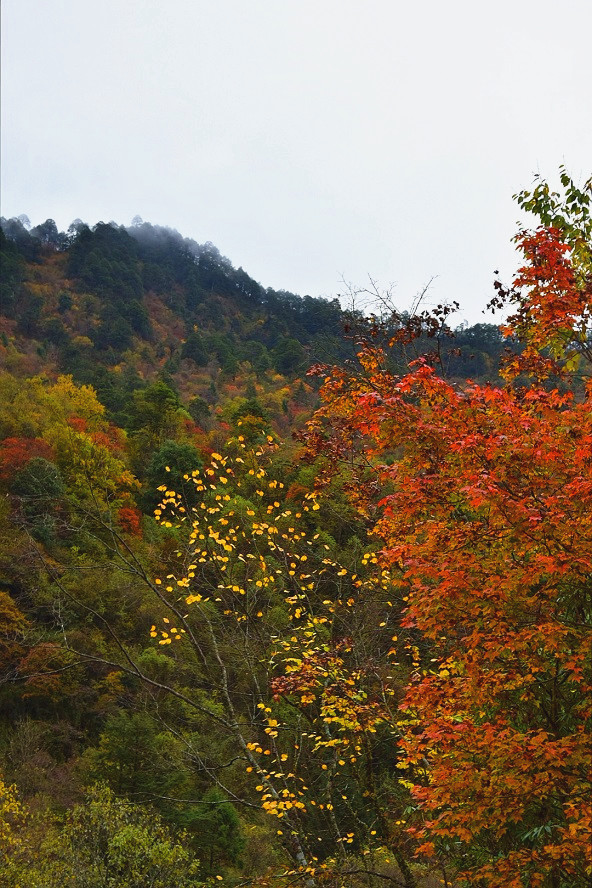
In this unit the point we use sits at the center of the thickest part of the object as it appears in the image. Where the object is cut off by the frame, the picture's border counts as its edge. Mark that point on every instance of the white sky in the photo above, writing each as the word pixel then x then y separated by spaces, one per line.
pixel 310 141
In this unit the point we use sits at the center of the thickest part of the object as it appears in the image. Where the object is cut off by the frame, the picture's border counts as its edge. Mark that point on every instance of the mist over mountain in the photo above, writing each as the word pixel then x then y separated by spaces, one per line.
pixel 145 296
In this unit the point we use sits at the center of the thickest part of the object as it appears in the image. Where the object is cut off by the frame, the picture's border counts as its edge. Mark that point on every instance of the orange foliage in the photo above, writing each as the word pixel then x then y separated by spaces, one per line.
pixel 13 624
pixel 78 423
pixel 486 526
pixel 112 438
pixel 129 520
pixel 17 452
pixel 553 318
pixel 45 667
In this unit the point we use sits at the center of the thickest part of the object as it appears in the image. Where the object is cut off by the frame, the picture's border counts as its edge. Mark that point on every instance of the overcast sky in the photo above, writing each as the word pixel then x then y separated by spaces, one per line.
pixel 310 141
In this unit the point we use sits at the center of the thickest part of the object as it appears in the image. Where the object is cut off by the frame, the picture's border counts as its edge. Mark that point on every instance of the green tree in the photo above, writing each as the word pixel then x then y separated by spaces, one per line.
pixel 289 356
pixel 217 829
pixel 154 418
pixel 40 488
pixel 194 348
pixel 172 464
pixel 133 756
pixel 106 842
pixel 199 409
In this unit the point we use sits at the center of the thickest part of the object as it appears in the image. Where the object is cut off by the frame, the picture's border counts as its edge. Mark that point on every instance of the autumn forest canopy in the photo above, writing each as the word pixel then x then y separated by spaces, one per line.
pixel 293 593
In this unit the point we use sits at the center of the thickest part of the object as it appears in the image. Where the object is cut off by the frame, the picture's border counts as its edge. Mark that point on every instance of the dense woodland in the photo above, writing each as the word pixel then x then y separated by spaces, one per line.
pixel 292 594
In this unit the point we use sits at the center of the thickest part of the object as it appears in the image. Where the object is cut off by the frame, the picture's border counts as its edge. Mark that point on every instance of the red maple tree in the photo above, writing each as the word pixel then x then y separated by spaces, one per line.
pixel 486 525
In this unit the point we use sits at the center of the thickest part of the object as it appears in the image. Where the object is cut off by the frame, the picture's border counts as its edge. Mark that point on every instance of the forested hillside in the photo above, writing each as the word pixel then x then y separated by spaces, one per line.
pixel 290 595
pixel 121 308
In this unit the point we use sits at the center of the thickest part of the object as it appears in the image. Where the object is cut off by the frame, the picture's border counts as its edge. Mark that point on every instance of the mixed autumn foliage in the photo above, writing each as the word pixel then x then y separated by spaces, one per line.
pixel 360 657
